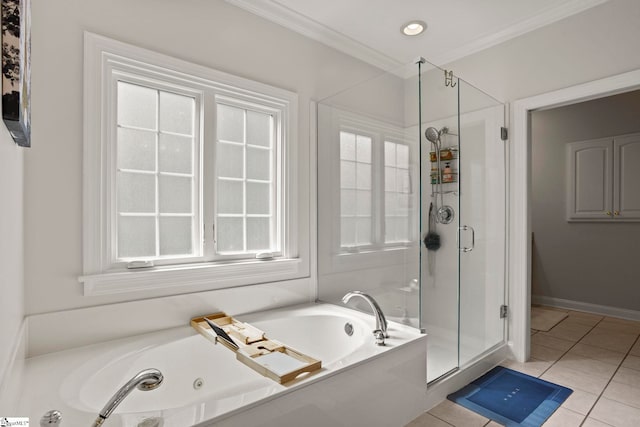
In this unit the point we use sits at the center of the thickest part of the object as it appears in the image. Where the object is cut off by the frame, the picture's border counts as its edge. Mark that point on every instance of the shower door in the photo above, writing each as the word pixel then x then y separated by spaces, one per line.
pixel 482 223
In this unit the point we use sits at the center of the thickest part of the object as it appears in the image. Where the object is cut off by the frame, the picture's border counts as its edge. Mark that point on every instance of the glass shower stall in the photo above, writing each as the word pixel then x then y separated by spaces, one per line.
pixel 412 207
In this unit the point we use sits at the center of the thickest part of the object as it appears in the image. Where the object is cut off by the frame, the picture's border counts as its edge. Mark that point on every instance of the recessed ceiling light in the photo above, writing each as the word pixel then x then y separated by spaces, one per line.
pixel 413 28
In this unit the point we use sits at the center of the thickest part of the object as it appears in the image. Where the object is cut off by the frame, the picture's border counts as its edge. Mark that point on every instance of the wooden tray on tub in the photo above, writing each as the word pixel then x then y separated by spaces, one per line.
pixel 270 358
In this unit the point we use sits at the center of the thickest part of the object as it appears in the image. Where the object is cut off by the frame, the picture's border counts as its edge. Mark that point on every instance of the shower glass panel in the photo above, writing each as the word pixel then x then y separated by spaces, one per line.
pixel 482 222
pixel 411 207
pixel 369 195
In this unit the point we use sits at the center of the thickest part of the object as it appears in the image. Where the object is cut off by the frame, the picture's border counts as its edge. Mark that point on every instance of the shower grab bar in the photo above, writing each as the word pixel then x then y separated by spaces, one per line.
pixel 473 238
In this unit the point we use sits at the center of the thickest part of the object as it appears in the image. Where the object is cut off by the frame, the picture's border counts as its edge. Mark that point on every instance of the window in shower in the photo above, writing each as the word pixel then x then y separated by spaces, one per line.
pixel 356 211
pixel 375 189
pixel 397 190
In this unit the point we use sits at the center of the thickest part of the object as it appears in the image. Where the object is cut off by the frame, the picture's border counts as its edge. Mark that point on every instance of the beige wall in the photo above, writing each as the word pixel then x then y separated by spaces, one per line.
pixel 11 252
pixel 206 32
pixel 586 262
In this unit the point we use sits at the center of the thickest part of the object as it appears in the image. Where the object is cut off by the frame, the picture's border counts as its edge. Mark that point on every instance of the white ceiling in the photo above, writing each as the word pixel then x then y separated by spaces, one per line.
pixel 370 29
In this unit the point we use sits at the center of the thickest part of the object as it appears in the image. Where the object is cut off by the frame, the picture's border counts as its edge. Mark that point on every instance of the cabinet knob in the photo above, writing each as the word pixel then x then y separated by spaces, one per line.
pixel 608 213
pixel 616 213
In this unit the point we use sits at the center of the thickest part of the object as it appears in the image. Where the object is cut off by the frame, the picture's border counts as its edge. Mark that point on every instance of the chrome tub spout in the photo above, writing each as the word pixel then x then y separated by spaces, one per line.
pixel 381 322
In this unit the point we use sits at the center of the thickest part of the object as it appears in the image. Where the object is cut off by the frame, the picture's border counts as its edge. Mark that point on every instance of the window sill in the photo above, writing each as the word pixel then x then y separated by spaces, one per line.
pixel 189 277
pixel 372 258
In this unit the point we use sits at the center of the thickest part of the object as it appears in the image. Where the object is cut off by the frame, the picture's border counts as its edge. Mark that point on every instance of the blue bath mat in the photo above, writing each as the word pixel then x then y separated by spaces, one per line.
pixel 512 398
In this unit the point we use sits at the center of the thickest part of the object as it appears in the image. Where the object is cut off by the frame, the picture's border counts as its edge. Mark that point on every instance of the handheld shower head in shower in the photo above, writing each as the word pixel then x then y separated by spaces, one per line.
pixel 432 134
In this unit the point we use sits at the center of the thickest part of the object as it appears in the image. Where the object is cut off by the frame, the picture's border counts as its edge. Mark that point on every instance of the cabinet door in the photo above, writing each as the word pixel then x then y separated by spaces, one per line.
pixel 589 167
pixel 626 188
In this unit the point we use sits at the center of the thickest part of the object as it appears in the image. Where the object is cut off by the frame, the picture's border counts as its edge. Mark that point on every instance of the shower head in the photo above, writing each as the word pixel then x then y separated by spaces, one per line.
pixel 432 134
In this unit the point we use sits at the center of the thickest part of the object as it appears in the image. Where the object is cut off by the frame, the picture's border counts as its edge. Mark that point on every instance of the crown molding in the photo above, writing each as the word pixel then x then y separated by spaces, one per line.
pixel 299 23
pixel 275 12
pixel 544 18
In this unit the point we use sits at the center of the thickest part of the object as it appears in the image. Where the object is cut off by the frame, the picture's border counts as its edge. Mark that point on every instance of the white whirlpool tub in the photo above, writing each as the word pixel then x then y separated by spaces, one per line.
pixel 359 384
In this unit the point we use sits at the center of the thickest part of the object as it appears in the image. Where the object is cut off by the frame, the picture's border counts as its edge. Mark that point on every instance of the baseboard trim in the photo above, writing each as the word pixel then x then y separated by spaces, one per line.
pixel 604 310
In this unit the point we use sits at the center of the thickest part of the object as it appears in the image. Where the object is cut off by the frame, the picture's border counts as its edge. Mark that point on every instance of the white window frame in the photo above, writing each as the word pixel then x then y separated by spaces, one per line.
pixel 335 257
pixel 105 60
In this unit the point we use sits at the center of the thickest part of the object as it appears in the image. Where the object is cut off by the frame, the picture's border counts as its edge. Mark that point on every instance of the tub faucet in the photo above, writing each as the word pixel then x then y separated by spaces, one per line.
pixel 381 322
pixel 149 379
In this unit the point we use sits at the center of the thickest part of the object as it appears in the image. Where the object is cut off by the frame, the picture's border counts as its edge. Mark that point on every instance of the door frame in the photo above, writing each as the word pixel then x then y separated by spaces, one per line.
pixel 519 247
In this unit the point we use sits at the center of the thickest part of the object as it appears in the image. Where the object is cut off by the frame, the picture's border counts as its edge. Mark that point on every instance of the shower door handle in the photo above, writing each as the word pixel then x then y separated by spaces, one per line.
pixel 473 238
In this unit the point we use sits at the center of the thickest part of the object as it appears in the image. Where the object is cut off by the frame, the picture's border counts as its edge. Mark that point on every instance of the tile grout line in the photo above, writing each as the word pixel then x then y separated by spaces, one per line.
pixel 611 379
pixel 569 349
pixel 553 363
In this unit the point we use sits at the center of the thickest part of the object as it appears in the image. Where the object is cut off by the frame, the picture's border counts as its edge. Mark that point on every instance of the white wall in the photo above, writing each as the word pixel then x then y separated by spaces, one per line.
pixel 206 32
pixel 587 262
pixel 11 258
pixel 597 43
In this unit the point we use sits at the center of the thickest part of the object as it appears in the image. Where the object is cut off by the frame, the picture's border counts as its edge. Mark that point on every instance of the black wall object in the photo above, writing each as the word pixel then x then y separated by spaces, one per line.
pixel 16 71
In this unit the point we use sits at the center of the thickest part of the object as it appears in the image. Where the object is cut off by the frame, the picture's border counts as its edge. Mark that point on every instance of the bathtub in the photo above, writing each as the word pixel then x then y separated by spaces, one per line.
pixel 205 384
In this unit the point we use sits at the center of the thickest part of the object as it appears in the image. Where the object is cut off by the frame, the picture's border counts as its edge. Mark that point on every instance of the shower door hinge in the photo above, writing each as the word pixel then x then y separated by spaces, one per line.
pixel 503 311
pixel 504 133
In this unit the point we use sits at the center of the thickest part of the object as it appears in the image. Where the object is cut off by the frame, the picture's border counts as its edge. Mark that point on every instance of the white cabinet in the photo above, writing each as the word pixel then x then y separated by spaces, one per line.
pixel 604 179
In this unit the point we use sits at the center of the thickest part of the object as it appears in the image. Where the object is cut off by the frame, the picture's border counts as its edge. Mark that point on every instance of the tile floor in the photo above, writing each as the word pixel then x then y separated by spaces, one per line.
pixel 596 356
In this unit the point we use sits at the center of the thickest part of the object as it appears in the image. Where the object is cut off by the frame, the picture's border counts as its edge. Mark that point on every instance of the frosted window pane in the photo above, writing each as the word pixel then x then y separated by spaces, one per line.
pixel 176 154
pixel 230 234
pixel 258 234
pixel 258 200
pixel 136 192
pixel 403 204
pixel 390 203
pixel 175 194
pixel 176 113
pixel 258 129
pixel 347 174
pixel 230 160
pixel 390 179
pixel 389 154
pixel 363 231
pixel 364 203
pixel 347 146
pixel 389 230
pixel 363 149
pixel 348 202
pixel 175 236
pixel 348 232
pixel 136 149
pixel 136 237
pixel 402 229
pixel 363 176
pixel 403 156
pixel 258 163
pixel 230 123
pixel 230 197
pixel 137 106
pixel 404 184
